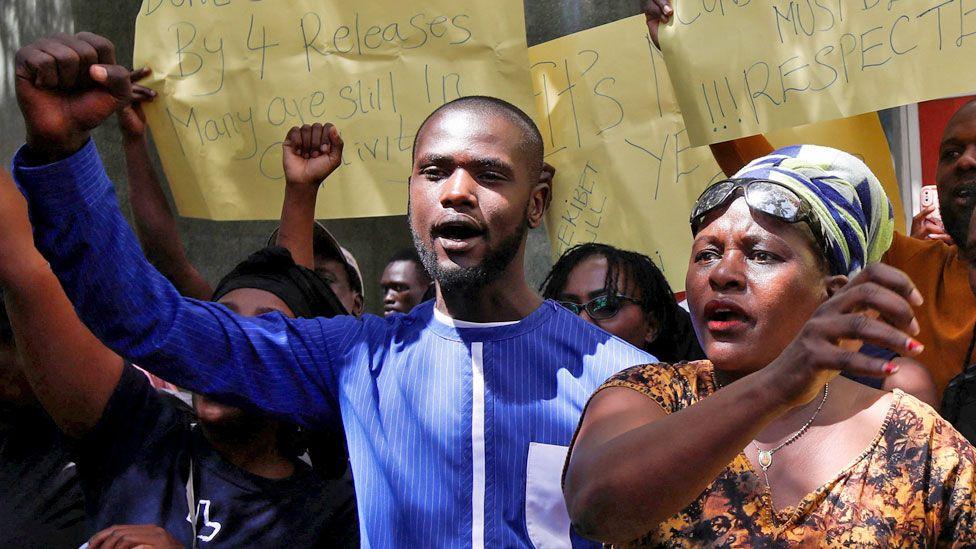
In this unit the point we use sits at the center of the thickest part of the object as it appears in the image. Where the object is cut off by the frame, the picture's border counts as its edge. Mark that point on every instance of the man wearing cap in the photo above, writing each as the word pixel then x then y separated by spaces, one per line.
pixel 458 416
pixel 331 261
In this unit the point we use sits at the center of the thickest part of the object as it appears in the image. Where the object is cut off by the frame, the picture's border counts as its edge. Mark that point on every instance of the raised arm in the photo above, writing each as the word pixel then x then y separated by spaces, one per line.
pixel 285 367
pixel 730 155
pixel 734 155
pixel 71 372
pixel 154 222
pixel 309 154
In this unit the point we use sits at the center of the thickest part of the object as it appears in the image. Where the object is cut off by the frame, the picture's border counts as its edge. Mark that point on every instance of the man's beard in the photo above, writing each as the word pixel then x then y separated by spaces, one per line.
pixel 956 226
pixel 478 276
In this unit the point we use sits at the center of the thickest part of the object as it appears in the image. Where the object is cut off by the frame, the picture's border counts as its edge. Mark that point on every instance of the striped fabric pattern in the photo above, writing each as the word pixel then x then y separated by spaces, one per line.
pixel 407 389
pixel 845 195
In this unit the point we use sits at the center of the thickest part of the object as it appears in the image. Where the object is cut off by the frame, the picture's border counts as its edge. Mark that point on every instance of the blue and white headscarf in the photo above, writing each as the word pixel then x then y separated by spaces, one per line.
pixel 848 200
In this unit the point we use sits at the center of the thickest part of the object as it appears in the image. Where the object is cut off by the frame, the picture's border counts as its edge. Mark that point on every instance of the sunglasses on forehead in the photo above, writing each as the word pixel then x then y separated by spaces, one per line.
pixel 762 195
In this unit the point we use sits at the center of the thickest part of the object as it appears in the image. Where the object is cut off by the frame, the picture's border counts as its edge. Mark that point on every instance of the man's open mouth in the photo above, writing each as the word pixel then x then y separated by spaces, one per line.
pixel 457 235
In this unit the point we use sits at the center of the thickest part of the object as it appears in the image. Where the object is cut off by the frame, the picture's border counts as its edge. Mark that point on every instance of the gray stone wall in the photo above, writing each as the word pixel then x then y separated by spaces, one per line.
pixel 215 247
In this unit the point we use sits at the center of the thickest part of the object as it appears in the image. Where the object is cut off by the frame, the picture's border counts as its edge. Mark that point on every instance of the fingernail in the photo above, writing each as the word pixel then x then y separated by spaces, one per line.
pixel 914 328
pixel 916 298
pixel 668 10
pixel 914 346
pixel 890 368
pixel 98 72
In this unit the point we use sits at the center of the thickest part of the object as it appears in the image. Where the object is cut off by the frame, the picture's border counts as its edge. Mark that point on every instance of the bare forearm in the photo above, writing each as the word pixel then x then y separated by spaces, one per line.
pixel 297 221
pixel 155 224
pixel 71 372
pixel 622 488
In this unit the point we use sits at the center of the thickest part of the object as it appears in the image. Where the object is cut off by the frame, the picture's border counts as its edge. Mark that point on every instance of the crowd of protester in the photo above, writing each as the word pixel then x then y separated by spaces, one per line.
pixel 818 387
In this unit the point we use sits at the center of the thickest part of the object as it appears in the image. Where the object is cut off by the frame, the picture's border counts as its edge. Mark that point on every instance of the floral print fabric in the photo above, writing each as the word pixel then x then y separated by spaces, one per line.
pixel 912 487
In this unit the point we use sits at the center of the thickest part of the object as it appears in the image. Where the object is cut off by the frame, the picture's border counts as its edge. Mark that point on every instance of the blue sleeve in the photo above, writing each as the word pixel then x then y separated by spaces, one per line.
pixel 277 365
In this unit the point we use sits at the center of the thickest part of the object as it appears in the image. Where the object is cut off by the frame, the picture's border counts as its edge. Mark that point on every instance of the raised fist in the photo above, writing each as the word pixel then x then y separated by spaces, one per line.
pixel 310 153
pixel 66 86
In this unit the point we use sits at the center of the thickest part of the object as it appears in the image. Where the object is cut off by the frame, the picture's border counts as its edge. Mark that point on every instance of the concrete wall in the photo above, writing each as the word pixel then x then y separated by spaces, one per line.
pixel 216 247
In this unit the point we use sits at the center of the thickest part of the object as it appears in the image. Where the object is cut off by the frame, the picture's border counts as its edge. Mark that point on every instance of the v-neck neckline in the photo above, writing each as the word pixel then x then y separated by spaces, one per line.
pixel 782 518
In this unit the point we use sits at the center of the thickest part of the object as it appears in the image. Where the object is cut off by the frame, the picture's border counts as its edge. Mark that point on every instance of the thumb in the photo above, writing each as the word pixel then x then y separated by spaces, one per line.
pixel 114 78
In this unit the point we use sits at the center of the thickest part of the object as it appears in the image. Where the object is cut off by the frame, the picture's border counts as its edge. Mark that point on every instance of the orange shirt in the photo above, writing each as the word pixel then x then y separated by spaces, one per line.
pixel 948 315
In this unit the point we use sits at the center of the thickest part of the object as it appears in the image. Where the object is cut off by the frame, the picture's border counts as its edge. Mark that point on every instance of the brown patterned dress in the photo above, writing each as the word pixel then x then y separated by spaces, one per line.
pixel 912 487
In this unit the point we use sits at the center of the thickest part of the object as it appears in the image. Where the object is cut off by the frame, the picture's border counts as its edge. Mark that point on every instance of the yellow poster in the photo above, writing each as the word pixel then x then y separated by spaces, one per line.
pixel 235 75
pixel 626 174
pixel 744 67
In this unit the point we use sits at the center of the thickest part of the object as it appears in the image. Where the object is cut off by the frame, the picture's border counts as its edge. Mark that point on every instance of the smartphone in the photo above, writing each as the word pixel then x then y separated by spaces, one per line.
pixel 930 197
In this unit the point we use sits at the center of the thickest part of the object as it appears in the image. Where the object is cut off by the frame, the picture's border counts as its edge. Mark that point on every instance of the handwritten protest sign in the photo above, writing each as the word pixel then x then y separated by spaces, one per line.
pixel 741 67
pixel 235 75
pixel 626 173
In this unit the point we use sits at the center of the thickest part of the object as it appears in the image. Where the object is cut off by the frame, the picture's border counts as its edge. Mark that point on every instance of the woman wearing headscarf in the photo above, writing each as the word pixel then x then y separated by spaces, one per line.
pixel 763 444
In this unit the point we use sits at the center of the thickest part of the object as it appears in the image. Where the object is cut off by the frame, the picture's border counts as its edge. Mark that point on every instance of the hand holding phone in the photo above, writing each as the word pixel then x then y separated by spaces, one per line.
pixel 930 197
pixel 927 223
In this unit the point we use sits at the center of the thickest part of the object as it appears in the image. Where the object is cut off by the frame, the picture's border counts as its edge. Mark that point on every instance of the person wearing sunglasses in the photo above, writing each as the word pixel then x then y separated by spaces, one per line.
pixel 763 444
pixel 624 293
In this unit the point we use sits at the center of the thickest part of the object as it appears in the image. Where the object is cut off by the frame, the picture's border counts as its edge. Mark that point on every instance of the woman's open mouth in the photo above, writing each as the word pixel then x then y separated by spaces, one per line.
pixel 725 316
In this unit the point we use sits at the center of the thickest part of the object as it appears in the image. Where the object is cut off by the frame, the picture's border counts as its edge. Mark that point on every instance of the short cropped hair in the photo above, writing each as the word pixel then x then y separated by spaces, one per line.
pixel 531 141
pixel 410 254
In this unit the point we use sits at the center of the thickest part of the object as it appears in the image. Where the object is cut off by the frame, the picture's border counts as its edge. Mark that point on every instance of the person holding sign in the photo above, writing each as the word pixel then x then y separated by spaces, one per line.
pixel 764 444
pixel 457 415
pixel 156 226
pixel 948 318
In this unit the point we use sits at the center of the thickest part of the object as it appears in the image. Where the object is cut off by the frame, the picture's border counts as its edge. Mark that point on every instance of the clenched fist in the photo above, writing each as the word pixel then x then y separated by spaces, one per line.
pixel 66 86
pixel 310 153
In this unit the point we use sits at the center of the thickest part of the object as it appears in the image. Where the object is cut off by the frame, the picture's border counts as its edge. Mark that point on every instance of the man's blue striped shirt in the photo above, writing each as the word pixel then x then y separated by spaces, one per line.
pixel 456 434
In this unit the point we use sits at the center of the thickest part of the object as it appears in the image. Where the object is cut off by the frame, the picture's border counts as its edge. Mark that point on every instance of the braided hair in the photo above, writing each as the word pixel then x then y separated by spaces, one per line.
pixel 676 339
